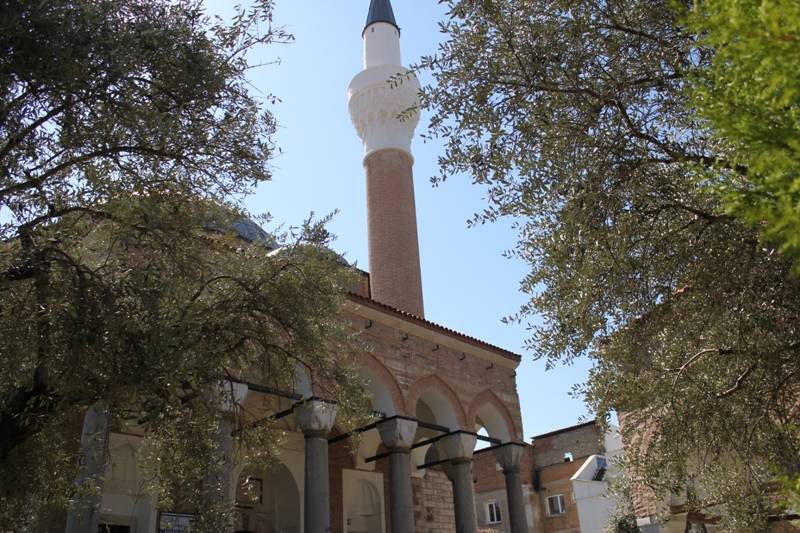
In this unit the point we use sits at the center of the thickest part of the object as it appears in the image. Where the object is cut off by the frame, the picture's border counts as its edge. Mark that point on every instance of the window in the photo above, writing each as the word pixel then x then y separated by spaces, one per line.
pixel 556 505
pixel 493 515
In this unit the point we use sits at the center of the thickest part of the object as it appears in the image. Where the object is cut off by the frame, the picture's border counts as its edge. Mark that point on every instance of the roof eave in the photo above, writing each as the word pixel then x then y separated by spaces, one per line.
pixel 419 321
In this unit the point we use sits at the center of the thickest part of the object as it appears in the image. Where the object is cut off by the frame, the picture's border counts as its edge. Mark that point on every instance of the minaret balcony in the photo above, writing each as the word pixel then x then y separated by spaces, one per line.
pixel 383 104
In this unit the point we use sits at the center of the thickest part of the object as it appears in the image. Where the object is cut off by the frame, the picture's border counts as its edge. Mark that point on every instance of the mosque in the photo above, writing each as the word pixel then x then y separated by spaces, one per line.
pixel 434 388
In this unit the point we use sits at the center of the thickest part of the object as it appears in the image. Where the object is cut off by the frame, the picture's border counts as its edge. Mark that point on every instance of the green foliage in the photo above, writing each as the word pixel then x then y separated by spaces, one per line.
pixel 750 94
pixel 623 516
pixel 126 136
pixel 575 117
pixel 792 490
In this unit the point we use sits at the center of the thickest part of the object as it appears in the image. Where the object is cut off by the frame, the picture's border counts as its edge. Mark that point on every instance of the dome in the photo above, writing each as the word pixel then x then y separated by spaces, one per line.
pixel 249 231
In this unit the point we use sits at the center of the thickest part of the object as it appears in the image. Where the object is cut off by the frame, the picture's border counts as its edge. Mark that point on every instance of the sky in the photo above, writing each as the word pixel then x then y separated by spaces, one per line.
pixel 467 283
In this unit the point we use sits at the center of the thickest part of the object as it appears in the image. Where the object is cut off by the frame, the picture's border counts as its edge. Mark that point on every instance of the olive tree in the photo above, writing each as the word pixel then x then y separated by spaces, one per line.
pixel 577 119
pixel 128 138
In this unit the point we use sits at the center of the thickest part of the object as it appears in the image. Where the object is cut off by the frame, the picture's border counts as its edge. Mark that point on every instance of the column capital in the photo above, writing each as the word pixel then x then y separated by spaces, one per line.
pixel 459 446
pixel 509 455
pixel 398 434
pixel 315 417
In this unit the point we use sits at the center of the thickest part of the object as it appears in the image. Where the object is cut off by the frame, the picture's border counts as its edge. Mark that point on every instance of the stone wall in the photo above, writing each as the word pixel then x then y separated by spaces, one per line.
pixel 433 503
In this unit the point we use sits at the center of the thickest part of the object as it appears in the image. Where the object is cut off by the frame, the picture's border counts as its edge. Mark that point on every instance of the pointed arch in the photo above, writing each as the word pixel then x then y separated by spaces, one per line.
pixel 494 416
pixel 378 371
pixel 433 384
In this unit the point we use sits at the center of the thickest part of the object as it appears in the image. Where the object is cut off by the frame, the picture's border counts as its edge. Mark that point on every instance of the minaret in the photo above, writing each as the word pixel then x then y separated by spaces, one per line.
pixel 375 108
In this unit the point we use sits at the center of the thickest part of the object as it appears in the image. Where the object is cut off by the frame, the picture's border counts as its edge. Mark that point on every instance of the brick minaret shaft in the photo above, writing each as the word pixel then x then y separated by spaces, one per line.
pixel 395 277
pixel 375 108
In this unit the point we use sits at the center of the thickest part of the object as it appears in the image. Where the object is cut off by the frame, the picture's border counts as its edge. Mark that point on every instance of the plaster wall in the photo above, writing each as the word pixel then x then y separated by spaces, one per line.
pixel 593 505
pixel 352 481
pixel 124 502
pixel 482 501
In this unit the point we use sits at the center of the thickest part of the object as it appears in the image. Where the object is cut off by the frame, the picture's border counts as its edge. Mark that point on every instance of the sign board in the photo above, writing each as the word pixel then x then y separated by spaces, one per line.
pixel 175 523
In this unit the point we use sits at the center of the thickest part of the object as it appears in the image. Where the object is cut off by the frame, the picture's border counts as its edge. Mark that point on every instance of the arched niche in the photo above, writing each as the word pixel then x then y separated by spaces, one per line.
pixel 363 507
pixel 122 470
pixel 123 464
pixel 267 501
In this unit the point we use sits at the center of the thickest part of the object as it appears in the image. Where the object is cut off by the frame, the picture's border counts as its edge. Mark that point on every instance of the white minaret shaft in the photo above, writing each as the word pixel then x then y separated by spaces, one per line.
pixel 382 100
pixel 381 45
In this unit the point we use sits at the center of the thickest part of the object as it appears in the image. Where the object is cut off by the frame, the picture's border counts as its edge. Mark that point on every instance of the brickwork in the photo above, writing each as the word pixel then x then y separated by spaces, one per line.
pixel 581 441
pixel 543 468
pixel 554 473
pixel 459 376
pixel 490 486
pixel 433 503
pixel 645 501
pixel 410 363
pixel 488 475
pixel 392 224
pixel 554 480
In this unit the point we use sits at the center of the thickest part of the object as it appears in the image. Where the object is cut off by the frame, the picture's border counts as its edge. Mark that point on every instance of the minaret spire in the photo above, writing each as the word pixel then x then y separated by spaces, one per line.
pixel 376 106
pixel 381 11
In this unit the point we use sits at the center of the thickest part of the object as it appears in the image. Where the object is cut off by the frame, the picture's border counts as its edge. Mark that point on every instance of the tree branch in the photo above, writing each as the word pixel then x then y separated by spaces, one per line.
pixel 738 384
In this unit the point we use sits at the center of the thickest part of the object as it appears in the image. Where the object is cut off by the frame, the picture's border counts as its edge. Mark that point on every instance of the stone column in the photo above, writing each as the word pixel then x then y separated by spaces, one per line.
pixel 510 458
pixel 217 483
pixel 459 447
pixel 398 436
pixel 84 515
pixel 218 491
pixel 315 418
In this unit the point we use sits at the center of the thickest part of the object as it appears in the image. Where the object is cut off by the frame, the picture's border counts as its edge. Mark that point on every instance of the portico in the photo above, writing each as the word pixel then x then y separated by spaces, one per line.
pixel 412 466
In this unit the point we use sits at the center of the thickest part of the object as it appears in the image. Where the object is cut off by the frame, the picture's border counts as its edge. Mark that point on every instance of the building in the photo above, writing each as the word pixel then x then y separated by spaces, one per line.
pixel 564 482
pixel 433 387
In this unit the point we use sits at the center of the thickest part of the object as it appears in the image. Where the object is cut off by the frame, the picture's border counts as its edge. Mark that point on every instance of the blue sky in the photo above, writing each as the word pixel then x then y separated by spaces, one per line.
pixel 468 285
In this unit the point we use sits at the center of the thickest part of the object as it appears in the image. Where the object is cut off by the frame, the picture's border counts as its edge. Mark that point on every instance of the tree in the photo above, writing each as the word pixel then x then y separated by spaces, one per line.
pixel 576 117
pixel 127 135
pixel 751 98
